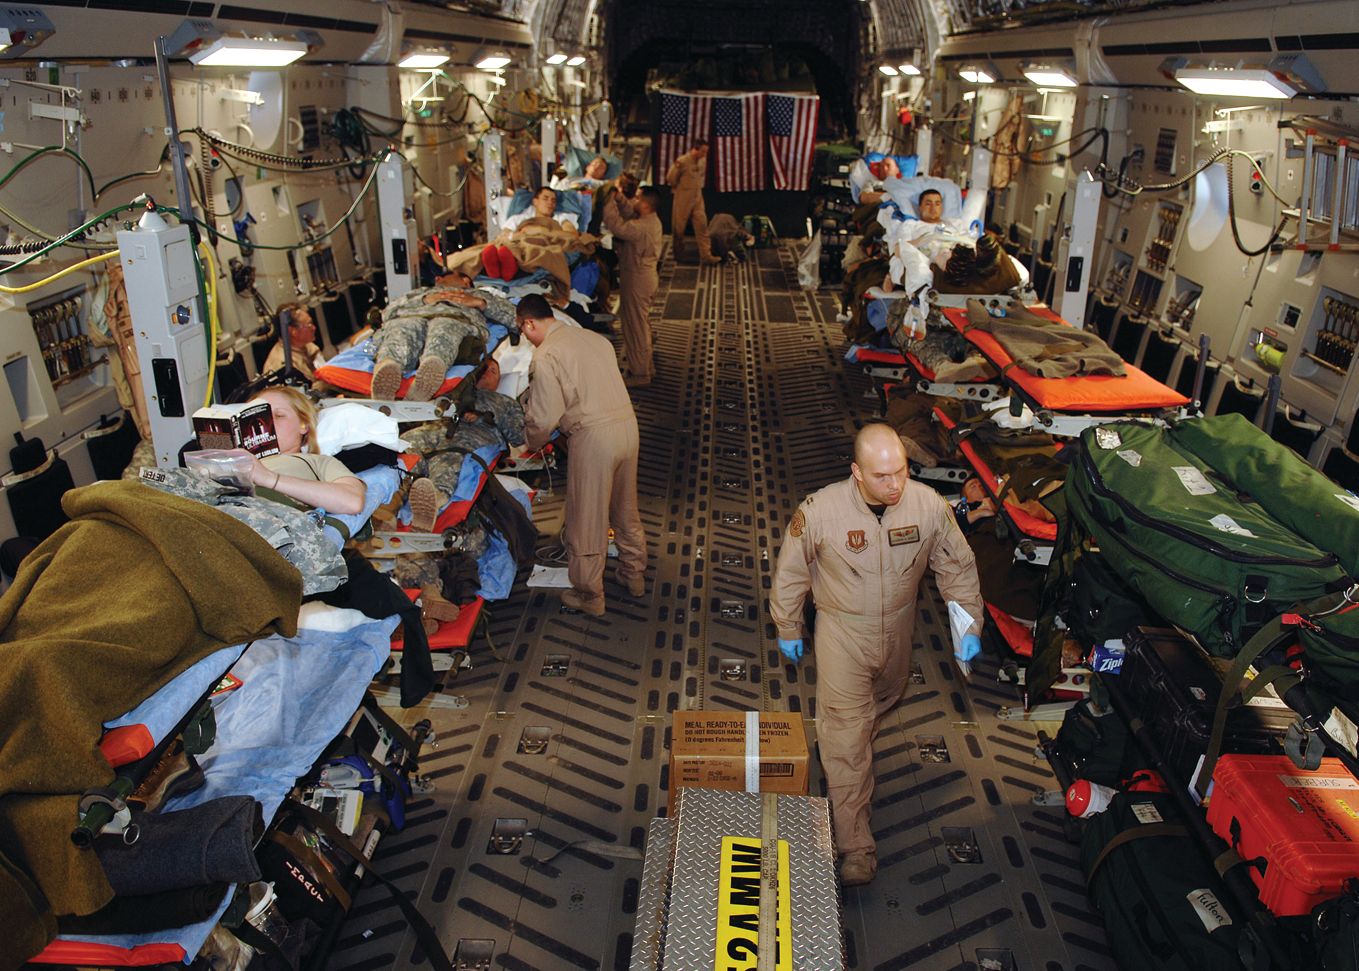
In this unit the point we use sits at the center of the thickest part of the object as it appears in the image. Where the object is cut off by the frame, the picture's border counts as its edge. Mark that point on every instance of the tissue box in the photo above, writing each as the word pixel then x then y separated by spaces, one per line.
pixel 249 426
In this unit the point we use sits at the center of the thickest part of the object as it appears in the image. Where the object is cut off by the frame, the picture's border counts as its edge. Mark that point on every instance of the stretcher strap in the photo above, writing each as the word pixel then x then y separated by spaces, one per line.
pixel 752 751
pixel 1265 639
pixel 302 852
pixel 1147 831
pixel 425 935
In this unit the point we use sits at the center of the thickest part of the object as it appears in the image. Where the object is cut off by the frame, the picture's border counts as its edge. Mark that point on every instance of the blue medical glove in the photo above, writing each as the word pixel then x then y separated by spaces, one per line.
pixel 792 650
pixel 969 648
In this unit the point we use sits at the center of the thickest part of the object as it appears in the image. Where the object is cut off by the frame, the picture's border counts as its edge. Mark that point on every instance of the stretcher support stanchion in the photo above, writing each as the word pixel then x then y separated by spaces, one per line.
pixel 1201 369
pixel 1266 420
pixel 1245 898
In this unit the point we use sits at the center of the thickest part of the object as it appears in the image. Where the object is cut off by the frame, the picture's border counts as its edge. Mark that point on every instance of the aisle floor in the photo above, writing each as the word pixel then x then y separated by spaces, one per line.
pixel 752 408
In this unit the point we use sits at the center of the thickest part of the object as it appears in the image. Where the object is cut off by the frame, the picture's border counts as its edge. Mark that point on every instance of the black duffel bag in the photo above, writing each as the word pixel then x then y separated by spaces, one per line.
pixel 1161 901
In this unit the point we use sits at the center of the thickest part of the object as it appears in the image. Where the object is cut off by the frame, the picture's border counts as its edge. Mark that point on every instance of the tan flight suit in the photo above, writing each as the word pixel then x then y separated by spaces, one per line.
pixel 639 250
pixel 574 385
pixel 863 576
pixel 686 177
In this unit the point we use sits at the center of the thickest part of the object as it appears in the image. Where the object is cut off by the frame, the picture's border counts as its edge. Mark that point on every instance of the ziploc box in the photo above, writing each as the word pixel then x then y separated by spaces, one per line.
pixel 745 751
pixel 249 426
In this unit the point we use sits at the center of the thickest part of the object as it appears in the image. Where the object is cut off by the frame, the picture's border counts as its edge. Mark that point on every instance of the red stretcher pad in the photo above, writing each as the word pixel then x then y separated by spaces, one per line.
pixel 878 355
pixel 1018 635
pixel 451 634
pixel 1100 393
pixel 84 954
pixel 1030 525
pixel 455 513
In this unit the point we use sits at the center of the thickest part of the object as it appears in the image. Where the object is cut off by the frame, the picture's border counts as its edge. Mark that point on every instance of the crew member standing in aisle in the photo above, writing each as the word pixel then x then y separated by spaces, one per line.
pixel 860 547
pixel 575 386
pixel 637 228
pixel 686 177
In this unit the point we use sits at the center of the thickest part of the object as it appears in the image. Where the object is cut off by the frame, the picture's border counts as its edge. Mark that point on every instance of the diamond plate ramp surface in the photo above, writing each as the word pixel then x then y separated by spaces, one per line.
pixel 528 851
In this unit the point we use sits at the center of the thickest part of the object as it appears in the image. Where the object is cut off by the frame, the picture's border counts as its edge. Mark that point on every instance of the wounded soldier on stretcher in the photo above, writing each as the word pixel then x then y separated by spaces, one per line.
pixel 432 329
pixel 538 241
pixel 488 418
pixel 950 254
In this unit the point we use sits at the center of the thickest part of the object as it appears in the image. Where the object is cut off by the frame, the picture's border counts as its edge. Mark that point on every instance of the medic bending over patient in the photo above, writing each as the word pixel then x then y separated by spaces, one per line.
pixel 320 481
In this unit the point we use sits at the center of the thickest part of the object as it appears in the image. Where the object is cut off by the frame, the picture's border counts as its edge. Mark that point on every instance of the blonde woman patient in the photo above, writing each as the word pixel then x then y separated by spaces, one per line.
pixel 298 471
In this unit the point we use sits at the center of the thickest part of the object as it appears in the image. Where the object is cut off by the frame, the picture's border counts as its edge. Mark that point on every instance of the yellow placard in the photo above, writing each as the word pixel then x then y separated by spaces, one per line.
pixel 738 907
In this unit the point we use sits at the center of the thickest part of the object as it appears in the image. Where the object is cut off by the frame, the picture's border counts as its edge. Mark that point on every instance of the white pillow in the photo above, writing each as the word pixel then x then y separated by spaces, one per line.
pixel 350 425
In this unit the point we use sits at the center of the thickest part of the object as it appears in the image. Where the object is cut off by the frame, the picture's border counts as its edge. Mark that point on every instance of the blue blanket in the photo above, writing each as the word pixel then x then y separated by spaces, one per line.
pixel 295 696
pixel 382 482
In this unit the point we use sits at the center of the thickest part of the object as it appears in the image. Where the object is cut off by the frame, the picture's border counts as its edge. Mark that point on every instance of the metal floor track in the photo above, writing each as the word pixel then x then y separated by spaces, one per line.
pixel 752 408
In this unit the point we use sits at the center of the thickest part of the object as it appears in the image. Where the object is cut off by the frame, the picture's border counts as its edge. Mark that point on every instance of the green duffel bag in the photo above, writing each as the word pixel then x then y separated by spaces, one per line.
pixel 1203 556
pixel 1162 903
pixel 1294 493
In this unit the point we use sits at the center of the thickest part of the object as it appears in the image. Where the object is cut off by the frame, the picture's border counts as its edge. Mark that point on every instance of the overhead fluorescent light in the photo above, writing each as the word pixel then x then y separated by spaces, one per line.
pixel 423 60
pixel 493 60
pixel 575 61
pixel 1235 82
pixel 557 58
pixel 910 70
pixel 969 95
pixel 888 70
pixel 23 30
pixel 248 52
pixel 1049 77
pixel 973 74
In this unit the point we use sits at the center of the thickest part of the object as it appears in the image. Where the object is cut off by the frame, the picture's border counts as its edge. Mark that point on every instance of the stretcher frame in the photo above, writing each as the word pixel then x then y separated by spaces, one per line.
pixel 1029 547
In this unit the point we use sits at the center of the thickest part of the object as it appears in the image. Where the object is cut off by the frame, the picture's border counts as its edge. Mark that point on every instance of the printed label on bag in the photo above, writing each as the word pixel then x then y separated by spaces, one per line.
pixel 153 475
pixel 1107 438
pixel 1193 480
pixel 1348 499
pixel 1131 457
pixel 1227 524
pixel 1306 782
pixel 1147 813
pixel 1209 909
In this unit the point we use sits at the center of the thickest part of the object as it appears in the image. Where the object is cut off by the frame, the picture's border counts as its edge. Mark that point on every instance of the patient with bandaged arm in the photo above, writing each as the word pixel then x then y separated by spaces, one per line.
pixel 298 472
pixel 929 248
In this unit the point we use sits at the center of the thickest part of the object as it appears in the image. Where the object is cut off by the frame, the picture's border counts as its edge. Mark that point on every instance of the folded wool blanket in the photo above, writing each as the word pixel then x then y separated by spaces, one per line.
pixel 135 589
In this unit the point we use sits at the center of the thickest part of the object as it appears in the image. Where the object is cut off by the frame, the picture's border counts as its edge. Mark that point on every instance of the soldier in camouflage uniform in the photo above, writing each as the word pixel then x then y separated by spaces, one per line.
pixel 429 330
pixel 294 533
pixel 491 419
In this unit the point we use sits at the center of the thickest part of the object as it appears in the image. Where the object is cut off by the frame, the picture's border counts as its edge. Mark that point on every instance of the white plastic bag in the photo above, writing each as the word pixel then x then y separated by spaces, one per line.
pixel 809 266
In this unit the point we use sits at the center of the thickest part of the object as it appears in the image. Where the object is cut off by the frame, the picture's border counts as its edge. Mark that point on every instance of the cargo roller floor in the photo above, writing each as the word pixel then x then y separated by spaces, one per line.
pixel 528 853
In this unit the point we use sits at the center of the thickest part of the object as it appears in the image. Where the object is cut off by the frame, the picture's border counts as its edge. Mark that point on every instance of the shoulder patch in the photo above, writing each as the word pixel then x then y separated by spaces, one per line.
pixel 799 523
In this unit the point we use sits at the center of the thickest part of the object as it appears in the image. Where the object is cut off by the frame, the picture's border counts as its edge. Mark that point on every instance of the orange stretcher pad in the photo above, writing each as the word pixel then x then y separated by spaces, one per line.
pixel 1100 393
pixel 1030 525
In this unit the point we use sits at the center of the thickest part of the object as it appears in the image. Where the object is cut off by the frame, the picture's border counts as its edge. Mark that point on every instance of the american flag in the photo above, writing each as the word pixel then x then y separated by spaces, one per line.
pixel 738 142
pixel 684 117
pixel 792 138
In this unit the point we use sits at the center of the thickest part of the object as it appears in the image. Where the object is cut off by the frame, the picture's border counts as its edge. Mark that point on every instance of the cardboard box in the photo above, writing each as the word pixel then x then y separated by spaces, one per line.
pixel 249 426
pixel 708 750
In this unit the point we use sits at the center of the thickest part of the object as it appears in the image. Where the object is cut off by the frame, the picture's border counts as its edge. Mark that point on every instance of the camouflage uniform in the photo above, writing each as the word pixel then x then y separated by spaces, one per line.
pixel 453 333
pixel 295 534
pixel 419 570
pixel 501 422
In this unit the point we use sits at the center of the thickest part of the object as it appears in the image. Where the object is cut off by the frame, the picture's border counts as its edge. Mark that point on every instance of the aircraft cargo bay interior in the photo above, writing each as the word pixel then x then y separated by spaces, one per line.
pixel 665 486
